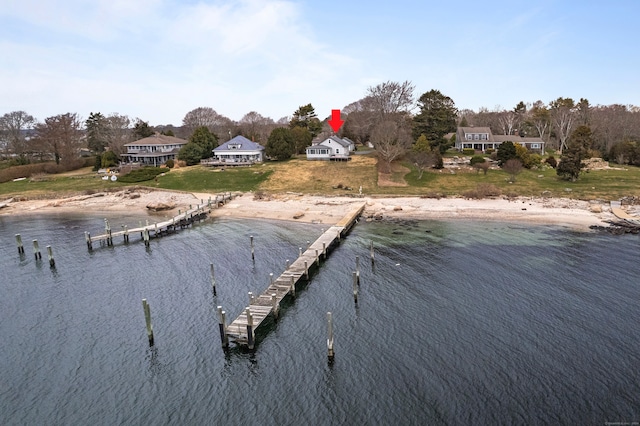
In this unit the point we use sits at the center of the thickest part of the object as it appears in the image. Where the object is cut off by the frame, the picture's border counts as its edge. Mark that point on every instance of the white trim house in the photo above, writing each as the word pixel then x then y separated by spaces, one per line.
pixel 481 139
pixel 154 150
pixel 332 148
pixel 239 150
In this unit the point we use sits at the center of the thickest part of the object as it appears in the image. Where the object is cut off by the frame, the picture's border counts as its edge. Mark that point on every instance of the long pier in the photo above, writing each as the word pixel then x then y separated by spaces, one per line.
pixel 242 329
pixel 181 220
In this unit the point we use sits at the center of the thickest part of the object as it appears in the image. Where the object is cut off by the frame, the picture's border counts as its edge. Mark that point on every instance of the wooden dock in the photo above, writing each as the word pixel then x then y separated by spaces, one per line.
pixel 182 220
pixel 242 329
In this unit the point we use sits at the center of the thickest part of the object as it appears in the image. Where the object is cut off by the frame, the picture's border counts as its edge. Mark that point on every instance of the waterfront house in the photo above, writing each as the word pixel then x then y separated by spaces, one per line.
pixel 481 139
pixel 238 150
pixel 154 150
pixel 331 148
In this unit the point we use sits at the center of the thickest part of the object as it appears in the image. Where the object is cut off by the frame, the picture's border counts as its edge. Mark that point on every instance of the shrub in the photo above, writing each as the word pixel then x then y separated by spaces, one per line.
pixel 483 190
pixel 551 160
pixel 143 174
pixel 477 159
pixel 489 151
pixel 169 164
pixel 468 151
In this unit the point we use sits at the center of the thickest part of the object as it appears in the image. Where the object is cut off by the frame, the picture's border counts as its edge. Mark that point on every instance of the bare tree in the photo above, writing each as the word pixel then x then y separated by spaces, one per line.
pixel 59 136
pixel 118 132
pixel 540 118
pixel 508 121
pixel 391 97
pixel 562 112
pixel 205 116
pixel 256 127
pixel 12 130
pixel 391 140
pixel 513 167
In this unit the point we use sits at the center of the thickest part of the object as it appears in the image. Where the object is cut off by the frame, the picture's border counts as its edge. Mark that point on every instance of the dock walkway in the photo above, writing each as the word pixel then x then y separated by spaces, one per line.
pixel 242 329
pixel 182 220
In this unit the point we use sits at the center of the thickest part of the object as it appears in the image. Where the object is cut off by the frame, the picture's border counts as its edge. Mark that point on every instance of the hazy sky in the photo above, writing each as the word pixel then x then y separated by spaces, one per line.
pixel 159 59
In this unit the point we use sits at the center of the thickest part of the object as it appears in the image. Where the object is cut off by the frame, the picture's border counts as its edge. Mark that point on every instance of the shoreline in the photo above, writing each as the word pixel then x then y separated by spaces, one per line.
pixel 326 209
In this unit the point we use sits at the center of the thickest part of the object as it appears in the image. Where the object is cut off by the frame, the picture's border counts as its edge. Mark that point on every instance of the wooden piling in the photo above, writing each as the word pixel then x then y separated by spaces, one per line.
pixel 274 305
pixel 324 250
pixel 250 342
pixel 358 268
pixel 36 250
pixel 250 294
pixel 126 233
pixel 145 236
pixel 299 251
pixel 252 250
pixel 286 264
pixel 213 280
pixel 330 352
pixel 306 270
pixel 52 262
pixel 317 258
pixel 87 237
pixel 222 322
pixel 271 279
pixel 19 243
pixel 147 318
pixel 372 254
pixel 293 286
pixel 355 288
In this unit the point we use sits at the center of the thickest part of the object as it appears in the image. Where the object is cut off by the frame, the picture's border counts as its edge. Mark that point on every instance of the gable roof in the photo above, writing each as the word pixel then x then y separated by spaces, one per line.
pixel 158 139
pixel 336 139
pixel 245 145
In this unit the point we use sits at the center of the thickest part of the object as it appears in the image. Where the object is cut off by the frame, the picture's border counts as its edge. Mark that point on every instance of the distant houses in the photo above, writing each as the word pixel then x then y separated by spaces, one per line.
pixel 332 148
pixel 154 150
pixel 481 139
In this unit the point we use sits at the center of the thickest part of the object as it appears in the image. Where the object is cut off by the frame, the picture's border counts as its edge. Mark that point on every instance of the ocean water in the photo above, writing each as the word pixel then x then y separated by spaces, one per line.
pixel 457 322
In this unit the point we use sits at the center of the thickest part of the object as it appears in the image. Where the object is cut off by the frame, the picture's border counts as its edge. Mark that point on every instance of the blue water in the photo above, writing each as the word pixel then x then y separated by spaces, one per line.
pixel 456 323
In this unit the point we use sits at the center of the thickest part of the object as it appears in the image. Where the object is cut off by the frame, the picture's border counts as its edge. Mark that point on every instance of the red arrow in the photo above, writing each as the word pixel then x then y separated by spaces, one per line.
pixel 335 121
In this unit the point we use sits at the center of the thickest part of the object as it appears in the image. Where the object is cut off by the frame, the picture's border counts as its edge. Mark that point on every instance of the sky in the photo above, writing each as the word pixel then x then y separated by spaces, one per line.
pixel 159 59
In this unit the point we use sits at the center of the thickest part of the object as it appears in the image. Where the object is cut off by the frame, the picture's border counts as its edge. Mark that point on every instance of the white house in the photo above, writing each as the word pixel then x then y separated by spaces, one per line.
pixel 154 150
pixel 239 150
pixel 332 148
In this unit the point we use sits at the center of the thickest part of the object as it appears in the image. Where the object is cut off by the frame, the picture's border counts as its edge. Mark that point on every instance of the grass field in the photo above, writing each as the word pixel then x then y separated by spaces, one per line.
pixel 343 178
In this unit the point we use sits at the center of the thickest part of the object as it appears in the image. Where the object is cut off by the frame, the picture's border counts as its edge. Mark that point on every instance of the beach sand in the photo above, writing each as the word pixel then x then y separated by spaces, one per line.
pixel 329 210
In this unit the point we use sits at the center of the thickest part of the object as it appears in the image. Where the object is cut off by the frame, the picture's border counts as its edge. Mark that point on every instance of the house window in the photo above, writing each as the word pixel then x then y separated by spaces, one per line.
pixel 484 137
pixel 535 146
pixel 337 151
pixel 469 137
pixel 476 136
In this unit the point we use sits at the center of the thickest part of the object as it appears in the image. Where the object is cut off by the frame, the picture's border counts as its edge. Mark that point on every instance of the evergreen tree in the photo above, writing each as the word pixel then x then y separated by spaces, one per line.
pixel 97 128
pixel 142 130
pixel 205 139
pixel 506 151
pixel 191 153
pixel 301 139
pixel 306 117
pixel 280 145
pixel 437 117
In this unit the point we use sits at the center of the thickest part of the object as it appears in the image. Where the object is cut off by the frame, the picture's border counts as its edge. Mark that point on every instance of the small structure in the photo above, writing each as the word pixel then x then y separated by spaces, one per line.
pixel 332 148
pixel 236 152
pixel 154 150
pixel 481 139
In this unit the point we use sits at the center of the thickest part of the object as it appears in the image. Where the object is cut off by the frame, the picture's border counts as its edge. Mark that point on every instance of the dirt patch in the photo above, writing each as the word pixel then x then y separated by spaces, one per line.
pixel 395 178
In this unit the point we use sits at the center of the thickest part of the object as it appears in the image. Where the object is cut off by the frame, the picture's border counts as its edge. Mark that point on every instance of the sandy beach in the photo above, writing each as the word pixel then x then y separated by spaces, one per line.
pixel 328 210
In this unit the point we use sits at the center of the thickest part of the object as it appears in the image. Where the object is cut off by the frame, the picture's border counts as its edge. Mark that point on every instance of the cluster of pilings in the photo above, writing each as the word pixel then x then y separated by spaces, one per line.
pixel 36 251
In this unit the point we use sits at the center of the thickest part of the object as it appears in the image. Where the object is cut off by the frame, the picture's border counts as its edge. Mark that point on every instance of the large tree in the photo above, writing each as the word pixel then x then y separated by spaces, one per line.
pixel 539 118
pixel 142 130
pixel 390 98
pixel 13 128
pixel 306 117
pixel 562 112
pixel 97 129
pixel 391 139
pixel 206 140
pixel 280 145
pixel 255 127
pixel 506 151
pixel 437 117
pixel 118 132
pixel 60 137
pixel 301 139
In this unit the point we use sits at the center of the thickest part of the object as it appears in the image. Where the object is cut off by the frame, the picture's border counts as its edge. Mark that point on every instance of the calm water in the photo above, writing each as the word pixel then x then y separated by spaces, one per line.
pixel 456 323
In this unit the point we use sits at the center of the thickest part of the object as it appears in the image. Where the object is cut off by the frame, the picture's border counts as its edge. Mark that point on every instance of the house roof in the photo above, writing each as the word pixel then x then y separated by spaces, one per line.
pixel 158 139
pixel 336 139
pixel 516 138
pixel 245 145
pixel 475 129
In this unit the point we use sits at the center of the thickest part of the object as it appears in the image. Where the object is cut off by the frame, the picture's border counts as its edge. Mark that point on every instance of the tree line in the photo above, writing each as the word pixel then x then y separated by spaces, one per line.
pixel 389 116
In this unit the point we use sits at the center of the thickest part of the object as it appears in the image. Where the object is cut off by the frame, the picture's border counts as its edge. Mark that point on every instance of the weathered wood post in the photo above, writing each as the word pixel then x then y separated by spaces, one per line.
pixel 19 243
pixel 299 251
pixel 286 264
pixel 358 268
pixel 155 232
pixel 270 279
pixel 306 270
pixel 87 237
pixel 324 250
pixel 222 322
pixel 253 257
pixel 339 236
pixel 213 280
pixel 330 352
pixel 274 305
pixel 147 318
pixel 250 342
pixel 317 258
pixel 372 254
pixel 355 288
pixel 293 286
pixel 250 298
pixel 126 233
pixel 146 237
pixel 52 262
pixel 36 250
